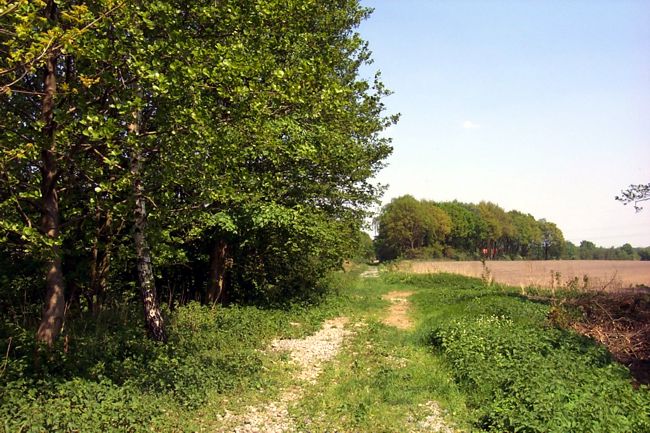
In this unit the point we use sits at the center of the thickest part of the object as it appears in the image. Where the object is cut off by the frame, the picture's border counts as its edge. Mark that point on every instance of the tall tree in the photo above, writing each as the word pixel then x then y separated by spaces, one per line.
pixel 34 114
pixel 251 159
pixel 553 243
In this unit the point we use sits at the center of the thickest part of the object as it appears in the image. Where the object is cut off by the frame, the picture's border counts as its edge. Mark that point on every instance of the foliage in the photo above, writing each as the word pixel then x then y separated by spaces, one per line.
pixel 105 376
pixel 414 229
pixel 635 194
pixel 364 249
pixel 589 251
pixel 407 224
pixel 250 126
pixel 424 229
pixel 519 372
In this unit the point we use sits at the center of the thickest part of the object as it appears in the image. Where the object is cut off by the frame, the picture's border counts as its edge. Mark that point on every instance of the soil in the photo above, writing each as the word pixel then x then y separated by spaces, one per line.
pixel 601 275
pixel 372 272
pixel 398 311
pixel 308 354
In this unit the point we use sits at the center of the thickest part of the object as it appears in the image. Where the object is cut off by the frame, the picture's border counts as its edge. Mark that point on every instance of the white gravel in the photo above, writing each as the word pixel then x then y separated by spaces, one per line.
pixel 308 354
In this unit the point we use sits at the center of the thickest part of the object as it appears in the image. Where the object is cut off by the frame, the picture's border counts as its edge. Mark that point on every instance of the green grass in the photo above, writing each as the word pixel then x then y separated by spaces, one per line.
pixel 112 378
pixel 518 371
pixel 382 379
pixel 490 358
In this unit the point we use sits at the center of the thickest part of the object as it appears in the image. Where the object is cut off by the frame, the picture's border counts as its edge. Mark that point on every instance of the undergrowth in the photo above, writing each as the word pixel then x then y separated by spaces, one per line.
pixel 105 375
pixel 519 371
pixel 494 360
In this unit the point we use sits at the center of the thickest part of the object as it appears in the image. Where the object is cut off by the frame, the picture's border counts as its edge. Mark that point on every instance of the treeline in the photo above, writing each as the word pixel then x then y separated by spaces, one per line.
pixel 411 228
pixel 174 151
pixel 587 250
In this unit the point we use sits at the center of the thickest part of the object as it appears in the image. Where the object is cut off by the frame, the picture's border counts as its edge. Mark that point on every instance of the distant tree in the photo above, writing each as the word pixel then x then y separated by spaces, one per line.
pixel 587 250
pixel 498 227
pixel 644 253
pixel 437 223
pixel 552 240
pixel 406 224
pixel 627 252
pixel 571 251
pixel 635 194
pixel 364 249
pixel 466 225
pixel 527 233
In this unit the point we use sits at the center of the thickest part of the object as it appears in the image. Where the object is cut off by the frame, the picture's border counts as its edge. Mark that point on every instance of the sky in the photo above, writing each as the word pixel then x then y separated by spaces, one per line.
pixel 538 106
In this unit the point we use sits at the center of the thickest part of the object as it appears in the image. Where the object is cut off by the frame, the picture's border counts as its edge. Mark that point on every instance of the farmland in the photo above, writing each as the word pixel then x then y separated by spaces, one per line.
pixel 608 275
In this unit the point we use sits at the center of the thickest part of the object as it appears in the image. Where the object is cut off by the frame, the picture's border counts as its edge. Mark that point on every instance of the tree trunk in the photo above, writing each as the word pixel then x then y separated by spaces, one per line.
pixel 101 260
pixel 217 272
pixel 152 317
pixel 54 309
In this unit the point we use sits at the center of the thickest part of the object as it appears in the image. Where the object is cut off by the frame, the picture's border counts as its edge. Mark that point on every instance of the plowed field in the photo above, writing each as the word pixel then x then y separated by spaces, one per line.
pixel 609 275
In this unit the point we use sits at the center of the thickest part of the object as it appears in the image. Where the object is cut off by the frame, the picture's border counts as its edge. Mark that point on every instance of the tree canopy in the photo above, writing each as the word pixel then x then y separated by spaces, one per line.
pixel 407 227
pixel 214 150
pixel 635 194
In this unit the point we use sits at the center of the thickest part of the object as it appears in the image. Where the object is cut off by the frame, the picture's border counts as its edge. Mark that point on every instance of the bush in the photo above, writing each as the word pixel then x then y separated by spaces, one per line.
pixel 105 375
pixel 424 253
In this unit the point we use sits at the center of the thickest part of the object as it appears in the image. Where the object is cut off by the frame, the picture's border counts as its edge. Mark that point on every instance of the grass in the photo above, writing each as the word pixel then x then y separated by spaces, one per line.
pixel 489 358
pixel 110 377
pixel 383 379
pixel 516 368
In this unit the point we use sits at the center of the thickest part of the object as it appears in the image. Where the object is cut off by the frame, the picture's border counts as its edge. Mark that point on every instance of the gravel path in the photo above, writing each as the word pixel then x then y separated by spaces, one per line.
pixel 372 272
pixel 308 354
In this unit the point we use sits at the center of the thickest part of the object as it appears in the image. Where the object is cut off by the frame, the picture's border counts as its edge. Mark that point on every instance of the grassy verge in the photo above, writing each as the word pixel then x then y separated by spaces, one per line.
pixel 519 372
pixel 480 358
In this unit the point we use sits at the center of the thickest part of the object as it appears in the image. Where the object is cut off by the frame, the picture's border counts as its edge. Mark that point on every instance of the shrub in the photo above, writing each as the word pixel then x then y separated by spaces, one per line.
pixel 522 374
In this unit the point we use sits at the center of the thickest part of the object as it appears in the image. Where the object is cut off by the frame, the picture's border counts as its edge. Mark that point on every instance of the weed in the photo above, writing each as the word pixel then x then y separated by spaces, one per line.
pixel 519 373
pixel 486 275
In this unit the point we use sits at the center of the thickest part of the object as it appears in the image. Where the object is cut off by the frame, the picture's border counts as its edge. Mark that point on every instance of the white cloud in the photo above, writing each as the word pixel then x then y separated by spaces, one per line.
pixel 470 125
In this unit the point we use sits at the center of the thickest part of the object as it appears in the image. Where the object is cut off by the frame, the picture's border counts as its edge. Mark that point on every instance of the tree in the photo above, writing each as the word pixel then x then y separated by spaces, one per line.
pixel 35 70
pixel 635 194
pixel 437 223
pixel 465 225
pixel 497 227
pixel 406 224
pixel 571 251
pixel 209 145
pixel 527 233
pixel 552 243
pixel 402 226
pixel 364 249
pixel 587 250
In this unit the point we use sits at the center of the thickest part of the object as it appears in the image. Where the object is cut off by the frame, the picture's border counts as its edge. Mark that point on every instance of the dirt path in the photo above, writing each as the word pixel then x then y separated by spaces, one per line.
pixel 372 272
pixel 398 311
pixel 308 354
pixel 398 316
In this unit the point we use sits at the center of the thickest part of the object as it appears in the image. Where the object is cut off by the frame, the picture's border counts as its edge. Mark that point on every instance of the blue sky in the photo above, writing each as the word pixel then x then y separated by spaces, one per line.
pixel 539 106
